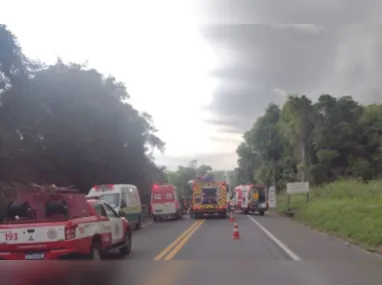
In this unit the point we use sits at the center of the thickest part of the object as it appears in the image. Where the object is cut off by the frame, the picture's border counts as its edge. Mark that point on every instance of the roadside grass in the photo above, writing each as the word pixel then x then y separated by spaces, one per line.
pixel 347 209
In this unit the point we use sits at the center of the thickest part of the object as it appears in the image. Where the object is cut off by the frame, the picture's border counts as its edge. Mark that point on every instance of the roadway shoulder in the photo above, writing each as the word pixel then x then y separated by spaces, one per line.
pixel 311 244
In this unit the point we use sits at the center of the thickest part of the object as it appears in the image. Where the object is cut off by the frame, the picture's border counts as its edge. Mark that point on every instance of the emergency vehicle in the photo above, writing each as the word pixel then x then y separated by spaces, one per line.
pixel 230 201
pixel 123 198
pixel 186 204
pixel 208 197
pixel 59 223
pixel 165 202
pixel 250 198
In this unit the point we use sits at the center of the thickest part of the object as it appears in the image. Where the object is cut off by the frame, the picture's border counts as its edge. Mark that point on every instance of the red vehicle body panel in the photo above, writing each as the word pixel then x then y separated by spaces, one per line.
pixel 51 240
pixel 163 189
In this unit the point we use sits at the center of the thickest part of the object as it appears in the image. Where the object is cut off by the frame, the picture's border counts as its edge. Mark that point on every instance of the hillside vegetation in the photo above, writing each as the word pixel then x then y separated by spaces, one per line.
pixel 348 209
pixel 318 142
pixel 184 173
pixel 323 142
pixel 68 124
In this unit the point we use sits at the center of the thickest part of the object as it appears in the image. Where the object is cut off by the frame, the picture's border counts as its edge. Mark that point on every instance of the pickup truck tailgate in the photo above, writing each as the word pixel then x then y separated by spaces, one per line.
pixel 31 233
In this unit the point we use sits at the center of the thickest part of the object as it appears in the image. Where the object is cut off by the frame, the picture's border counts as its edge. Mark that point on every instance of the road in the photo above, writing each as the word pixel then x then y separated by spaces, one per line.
pixel 271 250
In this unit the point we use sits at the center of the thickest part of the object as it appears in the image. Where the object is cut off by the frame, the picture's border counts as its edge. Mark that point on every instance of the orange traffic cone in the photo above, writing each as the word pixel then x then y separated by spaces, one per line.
pixel 231 218
pixel 235 234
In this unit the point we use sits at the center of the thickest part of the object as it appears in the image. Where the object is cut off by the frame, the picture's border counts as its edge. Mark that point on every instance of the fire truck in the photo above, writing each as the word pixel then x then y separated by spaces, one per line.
pixel 209 197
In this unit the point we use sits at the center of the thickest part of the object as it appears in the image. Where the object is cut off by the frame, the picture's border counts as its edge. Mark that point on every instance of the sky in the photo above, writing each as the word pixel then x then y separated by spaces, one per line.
pixel 205 70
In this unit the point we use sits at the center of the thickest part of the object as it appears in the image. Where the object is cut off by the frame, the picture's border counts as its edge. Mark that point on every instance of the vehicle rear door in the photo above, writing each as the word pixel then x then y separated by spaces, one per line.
pixel 170 203
pixel 116 224
pixel 32 233
pixel 32 239
pixel 245 197
pixel 255 195
pixel 238 197
pixel 164 203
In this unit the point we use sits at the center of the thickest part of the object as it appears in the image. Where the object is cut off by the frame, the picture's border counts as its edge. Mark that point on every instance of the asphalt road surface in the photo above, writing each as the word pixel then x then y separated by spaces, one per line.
pixel 271 250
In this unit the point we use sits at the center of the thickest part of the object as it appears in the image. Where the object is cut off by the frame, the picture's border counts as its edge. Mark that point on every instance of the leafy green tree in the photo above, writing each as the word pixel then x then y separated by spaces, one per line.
pixel 318 142
pixel 184 174
pixel 68 124
pixel 13 63
pixel 261 153
pixel 296 126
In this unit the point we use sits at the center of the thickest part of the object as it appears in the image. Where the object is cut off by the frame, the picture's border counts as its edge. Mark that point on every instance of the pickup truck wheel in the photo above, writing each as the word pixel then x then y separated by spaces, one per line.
pixel 125 250
pixel 261 213
pixel 95 251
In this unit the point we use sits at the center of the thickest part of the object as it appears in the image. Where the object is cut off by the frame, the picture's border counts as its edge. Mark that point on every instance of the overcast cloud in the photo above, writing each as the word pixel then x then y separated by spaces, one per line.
pixel 261 62
pixel 245 55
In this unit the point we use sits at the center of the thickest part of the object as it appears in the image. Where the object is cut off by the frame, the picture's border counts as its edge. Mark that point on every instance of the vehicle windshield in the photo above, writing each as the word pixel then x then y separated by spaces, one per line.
pixel 111 199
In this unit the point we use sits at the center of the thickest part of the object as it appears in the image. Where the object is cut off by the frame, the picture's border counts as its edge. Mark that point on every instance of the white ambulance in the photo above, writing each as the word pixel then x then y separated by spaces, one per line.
pixel 123 198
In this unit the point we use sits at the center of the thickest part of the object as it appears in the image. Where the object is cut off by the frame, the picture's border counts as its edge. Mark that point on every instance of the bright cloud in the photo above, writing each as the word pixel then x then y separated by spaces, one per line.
pixel 153 46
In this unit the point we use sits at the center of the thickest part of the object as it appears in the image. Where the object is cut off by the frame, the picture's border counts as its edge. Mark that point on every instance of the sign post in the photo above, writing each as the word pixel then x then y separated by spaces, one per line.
pixel 272 197
pixel 297 188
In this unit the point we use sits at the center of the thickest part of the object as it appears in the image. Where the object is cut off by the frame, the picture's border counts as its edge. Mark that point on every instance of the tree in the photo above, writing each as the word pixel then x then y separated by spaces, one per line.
pixel 13 63
pixel 67 124
pixel 248 161
pixel 330 138
pixel 184 174
pixel 261 153
pixel 296 126
pixel 337 129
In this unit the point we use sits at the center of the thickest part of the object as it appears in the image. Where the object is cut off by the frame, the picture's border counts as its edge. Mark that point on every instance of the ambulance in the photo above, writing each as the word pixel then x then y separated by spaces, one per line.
pixel 251 198
pixel 123 198
pixel 165 202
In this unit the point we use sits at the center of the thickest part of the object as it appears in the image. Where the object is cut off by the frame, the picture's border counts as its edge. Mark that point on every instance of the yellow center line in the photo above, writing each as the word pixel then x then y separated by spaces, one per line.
pixel 171 273
pixel 167 273
pixel 181 244
pixel 175 242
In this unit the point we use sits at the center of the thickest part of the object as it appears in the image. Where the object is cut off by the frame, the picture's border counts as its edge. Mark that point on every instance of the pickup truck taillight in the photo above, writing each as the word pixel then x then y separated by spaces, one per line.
pixel 70 232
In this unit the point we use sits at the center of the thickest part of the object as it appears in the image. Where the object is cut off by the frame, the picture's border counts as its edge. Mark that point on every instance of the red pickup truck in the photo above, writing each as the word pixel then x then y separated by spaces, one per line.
pixel 62 224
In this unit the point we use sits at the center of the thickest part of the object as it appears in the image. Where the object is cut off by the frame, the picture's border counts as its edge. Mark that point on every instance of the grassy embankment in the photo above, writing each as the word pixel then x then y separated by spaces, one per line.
pixel 347 209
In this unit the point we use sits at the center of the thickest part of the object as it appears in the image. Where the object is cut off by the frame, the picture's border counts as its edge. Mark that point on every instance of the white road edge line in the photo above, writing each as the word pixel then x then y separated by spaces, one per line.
pixel 290 253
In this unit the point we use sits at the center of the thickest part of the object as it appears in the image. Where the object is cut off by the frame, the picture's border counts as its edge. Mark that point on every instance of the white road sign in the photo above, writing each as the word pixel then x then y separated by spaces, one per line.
pixel 298 187
pixel 272 197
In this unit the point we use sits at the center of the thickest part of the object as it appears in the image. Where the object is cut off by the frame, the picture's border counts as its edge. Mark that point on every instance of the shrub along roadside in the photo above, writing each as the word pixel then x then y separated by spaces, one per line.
pixel 347 209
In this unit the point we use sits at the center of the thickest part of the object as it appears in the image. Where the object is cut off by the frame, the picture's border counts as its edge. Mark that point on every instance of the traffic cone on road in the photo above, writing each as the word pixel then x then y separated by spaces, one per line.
pixel 231 217
pixel 235 234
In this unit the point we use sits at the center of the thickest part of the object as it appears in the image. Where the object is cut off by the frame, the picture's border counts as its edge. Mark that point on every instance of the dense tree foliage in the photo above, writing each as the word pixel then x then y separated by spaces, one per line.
pixel 69 125
pixel 316 142
pixel 184 174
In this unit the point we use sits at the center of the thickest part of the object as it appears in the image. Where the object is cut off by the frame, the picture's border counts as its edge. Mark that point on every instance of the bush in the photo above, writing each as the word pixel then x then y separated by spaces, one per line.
pixel 346 208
